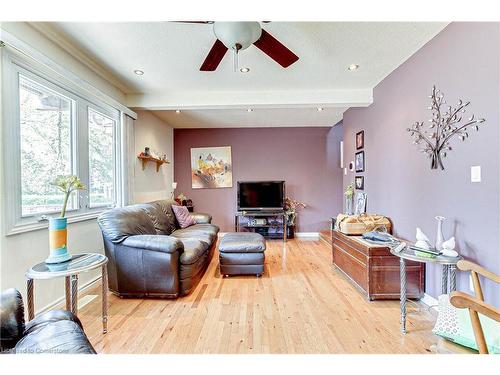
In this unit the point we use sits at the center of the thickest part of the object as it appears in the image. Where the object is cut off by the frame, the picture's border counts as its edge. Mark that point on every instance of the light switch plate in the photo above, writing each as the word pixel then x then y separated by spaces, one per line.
pixel 475 173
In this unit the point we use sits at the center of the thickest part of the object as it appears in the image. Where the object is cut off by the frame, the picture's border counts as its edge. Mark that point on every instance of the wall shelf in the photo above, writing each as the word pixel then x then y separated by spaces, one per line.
pixel 147 159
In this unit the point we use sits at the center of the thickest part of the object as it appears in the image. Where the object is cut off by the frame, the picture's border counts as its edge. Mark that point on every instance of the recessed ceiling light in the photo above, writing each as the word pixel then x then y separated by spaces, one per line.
pixel 249 110
pixel 139 72
pixel 353 67
pixel 319 109
pixel 244 70
pixel 177 111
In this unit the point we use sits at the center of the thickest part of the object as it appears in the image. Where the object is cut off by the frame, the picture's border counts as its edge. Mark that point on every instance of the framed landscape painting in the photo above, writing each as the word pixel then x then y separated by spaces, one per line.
pixel 211 167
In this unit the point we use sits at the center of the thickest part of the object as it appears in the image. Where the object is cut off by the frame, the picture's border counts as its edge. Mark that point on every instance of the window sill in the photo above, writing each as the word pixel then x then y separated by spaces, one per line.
pixel 25 228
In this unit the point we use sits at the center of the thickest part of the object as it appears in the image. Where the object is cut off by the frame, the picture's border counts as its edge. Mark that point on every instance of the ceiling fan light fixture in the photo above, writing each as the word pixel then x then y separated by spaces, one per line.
pixel 353 67
pixel 139 72
pixel 244 70
pixel 237 35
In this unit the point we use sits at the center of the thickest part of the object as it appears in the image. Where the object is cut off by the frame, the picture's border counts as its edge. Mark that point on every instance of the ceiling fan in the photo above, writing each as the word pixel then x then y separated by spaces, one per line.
pixel 238 36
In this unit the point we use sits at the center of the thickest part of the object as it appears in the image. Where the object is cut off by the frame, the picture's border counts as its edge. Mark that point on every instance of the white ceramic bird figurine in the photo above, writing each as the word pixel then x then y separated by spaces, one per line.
pixel 448 247
pixel 422 240
pixel 450 244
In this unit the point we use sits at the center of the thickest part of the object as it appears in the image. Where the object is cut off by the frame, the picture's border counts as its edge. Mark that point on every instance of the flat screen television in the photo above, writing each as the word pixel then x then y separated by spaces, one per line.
pixel 261 195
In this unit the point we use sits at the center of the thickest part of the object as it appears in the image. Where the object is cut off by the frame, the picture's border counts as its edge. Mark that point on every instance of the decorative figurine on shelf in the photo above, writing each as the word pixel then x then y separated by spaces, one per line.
pixel 445 124
pixel 58 235
pixel 449 248
pixel 422 240
pixel 147 152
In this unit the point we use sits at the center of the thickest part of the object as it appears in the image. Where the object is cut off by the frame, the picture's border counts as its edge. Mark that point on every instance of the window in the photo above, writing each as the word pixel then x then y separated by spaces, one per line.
pixel 45 119
pixel 101 159
pixel 57 130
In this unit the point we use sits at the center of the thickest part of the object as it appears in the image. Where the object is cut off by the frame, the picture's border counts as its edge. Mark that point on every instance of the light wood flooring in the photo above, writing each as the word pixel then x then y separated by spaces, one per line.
pixel 302 304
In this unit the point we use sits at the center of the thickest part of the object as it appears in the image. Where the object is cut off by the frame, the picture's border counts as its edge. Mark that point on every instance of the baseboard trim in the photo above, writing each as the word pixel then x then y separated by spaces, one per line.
pixel 60 300
pixel 430 301
pixel 309 235
pixel 305 235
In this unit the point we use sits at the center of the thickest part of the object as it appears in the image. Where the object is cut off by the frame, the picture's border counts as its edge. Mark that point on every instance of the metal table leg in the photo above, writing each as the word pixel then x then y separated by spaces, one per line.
pixel 284 228
pixel 31 302
pixel 444 279
pixel 74 294
pixel 104 299
pixel 68 293
pixel 453 278
pixel 402 272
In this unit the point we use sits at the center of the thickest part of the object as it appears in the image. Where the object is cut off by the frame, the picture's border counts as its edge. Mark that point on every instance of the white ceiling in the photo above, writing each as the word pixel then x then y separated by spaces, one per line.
pixel 170 54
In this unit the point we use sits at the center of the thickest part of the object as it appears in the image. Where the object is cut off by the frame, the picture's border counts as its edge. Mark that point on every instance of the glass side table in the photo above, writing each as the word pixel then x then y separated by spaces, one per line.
pixel 449 267
pixel 70 270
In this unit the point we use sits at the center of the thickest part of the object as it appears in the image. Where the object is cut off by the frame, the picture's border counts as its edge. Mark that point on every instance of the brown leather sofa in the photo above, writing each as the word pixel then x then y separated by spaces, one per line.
pixel 150 256
pixel 52 332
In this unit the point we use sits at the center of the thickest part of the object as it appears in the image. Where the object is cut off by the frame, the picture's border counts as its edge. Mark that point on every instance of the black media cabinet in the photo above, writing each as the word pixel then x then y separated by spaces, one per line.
pixel 271 224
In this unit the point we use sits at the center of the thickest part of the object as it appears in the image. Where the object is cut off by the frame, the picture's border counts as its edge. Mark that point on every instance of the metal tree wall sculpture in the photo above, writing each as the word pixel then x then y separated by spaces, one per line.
pixel 445 124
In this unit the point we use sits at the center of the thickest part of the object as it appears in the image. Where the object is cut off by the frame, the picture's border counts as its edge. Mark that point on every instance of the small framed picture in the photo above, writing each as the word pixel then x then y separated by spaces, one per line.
pixel 360 140
pixel 360 203
pixel 359 182
pixel 359 161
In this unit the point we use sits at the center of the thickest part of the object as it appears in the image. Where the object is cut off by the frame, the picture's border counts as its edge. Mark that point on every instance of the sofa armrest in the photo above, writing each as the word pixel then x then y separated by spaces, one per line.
pixel 201 218
pixel 159 243
pixel 11 318
pixel 50 317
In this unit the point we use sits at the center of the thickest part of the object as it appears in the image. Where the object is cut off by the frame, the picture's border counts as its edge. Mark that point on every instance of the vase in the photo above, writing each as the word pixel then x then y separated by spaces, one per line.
pixel 349 206
pixel 58 239
pixel 439 234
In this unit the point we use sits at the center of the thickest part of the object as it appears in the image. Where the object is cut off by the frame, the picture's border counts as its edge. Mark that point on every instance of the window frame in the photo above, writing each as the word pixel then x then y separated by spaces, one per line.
pixel 14 65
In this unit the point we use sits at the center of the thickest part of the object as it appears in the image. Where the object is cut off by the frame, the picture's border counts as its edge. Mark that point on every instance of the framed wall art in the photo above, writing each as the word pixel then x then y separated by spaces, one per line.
pixel 211 167
pixel 360 140
pixel 359 161
pixel 359 182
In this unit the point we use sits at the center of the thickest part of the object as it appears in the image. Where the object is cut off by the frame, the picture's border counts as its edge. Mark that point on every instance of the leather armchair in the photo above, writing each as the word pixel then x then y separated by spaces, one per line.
pixel 52 332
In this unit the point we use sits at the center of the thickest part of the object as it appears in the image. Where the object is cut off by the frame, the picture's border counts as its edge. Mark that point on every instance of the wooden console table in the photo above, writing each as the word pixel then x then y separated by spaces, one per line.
pixel 374 269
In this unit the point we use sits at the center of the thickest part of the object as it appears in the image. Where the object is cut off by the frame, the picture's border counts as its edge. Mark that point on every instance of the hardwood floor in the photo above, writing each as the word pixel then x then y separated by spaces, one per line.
pixel 300 305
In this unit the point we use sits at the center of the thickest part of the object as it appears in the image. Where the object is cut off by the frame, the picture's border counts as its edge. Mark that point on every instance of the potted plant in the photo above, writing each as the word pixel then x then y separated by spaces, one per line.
pixel 58 235
pixel 291 208
pixel 181 199
pixel 349 199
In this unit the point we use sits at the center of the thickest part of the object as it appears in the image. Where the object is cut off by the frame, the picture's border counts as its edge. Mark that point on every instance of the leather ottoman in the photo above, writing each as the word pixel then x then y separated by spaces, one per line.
pixel 242 254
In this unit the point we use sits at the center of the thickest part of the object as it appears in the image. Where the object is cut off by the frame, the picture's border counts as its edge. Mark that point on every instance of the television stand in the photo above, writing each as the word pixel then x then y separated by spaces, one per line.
pixel 271 224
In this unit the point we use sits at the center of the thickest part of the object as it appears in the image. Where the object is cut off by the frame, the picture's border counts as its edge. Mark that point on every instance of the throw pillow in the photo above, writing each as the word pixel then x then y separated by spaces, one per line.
pixel 183 216
pixel 454 324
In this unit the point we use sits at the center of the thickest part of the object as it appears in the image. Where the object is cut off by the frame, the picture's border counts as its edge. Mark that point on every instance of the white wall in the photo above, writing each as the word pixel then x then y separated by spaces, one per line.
pixel 21 251
pixel 152 132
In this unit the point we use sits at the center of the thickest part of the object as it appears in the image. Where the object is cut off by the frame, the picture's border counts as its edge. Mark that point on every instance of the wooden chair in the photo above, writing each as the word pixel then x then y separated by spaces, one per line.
pixel 476 303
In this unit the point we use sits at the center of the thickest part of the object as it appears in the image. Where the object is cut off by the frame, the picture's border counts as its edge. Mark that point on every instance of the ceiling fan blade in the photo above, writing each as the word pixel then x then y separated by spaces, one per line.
pixel 275 50
pixel 214 57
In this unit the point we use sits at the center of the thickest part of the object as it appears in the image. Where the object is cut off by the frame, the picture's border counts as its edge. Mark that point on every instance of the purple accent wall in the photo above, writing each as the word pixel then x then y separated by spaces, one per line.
pixel 306 158
pixel 463 61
